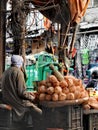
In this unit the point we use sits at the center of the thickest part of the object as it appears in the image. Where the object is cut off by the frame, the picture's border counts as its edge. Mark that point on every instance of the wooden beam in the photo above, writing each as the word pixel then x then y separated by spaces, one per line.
pixel 2 35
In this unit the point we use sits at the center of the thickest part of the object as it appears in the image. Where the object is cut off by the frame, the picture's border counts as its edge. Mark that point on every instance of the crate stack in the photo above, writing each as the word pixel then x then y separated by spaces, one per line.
pixel 30 75
pixel 69 117
pixel 40 70
pixel 90 119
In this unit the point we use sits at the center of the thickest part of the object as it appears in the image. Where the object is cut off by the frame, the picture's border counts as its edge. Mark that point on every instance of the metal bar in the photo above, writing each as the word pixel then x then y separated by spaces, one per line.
pixel 79 33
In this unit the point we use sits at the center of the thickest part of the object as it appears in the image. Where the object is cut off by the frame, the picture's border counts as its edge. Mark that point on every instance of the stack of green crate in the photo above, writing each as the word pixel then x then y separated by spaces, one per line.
pixel 40 70
pixel 44 61
pixel 30 75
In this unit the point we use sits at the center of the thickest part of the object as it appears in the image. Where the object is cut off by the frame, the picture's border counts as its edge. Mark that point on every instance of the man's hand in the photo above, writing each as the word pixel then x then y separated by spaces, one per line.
pixel 38 110
pixel 32 93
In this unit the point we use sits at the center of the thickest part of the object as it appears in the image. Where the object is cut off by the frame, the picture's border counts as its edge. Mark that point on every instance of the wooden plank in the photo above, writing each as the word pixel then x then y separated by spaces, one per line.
pixel 62 103
pixel 91 111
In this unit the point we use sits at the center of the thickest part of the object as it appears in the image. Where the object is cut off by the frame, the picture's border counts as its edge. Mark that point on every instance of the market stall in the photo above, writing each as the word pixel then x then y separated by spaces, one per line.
pixel 66 104
pixel 61 99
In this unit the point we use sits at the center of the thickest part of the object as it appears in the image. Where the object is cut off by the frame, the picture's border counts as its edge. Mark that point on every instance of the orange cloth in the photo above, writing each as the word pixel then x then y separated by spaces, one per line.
pixel 77 9
pixel 74 52
pixel 47 23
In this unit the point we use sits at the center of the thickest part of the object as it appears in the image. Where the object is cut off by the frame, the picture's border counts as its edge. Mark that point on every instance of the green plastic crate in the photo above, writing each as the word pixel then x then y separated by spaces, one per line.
pixel 42 66
pixel 46 72
pixel 7 66
pixel 40 70
pixel 43 58
pixel 30 74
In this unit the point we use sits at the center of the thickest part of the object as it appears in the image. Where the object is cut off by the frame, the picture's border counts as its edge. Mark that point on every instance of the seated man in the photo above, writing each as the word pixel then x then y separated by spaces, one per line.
pixel 14 89
pixel 94 81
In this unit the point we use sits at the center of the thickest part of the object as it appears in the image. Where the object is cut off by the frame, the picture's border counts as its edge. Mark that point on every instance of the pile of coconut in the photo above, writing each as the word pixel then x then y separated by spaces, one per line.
pixel 70 88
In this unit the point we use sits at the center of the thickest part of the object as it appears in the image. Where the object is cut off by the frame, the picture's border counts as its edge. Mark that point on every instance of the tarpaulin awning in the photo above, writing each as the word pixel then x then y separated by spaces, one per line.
pixel 67 10
pixel 77 9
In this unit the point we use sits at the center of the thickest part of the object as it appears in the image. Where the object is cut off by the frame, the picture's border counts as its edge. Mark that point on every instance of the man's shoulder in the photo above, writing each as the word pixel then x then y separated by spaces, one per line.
pixel 14 70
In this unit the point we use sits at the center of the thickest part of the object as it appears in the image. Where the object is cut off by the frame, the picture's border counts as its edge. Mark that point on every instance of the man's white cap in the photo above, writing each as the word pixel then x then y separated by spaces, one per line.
pixel 17 60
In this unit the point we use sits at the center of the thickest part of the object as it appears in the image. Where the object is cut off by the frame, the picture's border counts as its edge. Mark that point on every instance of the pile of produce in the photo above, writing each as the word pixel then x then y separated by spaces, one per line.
pixel 91 103
pixel 60 89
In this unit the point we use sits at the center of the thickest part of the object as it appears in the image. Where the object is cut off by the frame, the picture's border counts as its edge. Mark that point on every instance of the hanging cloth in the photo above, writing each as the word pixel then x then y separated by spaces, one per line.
pixel 77 9
pixel 47 23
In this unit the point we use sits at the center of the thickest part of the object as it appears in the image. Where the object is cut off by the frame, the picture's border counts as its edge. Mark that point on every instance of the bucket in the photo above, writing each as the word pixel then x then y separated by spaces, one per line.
pixel 54 129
